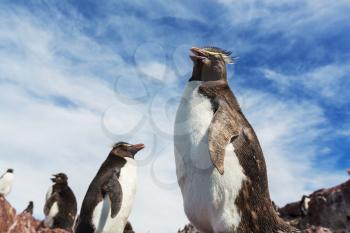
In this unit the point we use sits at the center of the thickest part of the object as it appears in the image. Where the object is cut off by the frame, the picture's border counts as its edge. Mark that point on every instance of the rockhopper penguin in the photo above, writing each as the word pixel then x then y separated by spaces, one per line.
pixel 61 206
pixel 110 196
pixel 6 181
pixel 220 166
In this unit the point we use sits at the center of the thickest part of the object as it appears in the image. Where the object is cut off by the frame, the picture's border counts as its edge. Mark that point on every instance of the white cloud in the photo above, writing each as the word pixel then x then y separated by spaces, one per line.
pixel 291 134
pixel 41 134
pixel 44 65
pixel 324 81
pixel 292 18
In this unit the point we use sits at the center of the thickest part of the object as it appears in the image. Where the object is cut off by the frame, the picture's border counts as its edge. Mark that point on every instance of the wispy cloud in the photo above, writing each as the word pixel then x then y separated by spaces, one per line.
pixel 76 77
pixel 324 82
pixel 291 135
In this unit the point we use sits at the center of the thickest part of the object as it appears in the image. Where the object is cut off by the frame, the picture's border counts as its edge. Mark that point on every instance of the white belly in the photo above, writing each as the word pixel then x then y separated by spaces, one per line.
pixel 48 222
pixel 127 179
pixel 209 198
pixel 6 184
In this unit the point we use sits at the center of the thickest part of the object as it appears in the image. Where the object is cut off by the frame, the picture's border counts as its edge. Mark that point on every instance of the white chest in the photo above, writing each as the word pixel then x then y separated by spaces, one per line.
pixel 6 183
pixel 208 196
pixel 192 121
pixel 128 180
pixel 49 219
pixel 48 222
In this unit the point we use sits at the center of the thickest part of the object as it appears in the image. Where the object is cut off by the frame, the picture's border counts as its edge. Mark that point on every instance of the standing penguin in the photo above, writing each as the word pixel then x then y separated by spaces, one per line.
pixel 29 209
pixel 109 199
pixel 6 181
pixel 61 206
pixel 219 163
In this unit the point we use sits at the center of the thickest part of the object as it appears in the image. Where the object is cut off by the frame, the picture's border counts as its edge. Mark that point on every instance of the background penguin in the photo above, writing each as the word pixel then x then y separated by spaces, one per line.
pixel 304 205
pixel 219 163
pixel 108 201
pixel 128 228
pixel 6 181
pixel 61 206
pixel 29 209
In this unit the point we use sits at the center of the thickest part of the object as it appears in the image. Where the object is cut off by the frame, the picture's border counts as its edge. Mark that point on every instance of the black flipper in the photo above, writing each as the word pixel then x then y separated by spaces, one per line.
pixel 114 190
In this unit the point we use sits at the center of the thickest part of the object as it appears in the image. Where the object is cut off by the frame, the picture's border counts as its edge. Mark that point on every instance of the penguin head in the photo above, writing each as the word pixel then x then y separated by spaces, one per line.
pixel 10 170
pixel 60 178
pixel 124 149
pixel 209 63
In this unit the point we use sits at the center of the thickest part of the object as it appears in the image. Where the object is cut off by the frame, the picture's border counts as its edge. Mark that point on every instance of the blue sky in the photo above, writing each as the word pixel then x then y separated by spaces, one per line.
pixel 78 75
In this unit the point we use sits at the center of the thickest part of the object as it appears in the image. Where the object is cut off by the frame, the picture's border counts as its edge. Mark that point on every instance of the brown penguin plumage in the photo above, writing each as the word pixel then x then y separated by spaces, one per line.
pixel 230 126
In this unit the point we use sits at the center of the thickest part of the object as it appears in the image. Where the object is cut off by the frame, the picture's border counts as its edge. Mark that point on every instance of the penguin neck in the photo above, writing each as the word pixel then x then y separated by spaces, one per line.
pixel 115 159
pixel 112 161
pixel 8 176
pixel 202 73
pixel 61 185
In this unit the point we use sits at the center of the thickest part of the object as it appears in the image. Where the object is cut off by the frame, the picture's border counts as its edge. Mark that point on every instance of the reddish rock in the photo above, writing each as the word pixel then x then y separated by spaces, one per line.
pixel 22 223
pixel 290 211
pixel 327 207
pixel 7 215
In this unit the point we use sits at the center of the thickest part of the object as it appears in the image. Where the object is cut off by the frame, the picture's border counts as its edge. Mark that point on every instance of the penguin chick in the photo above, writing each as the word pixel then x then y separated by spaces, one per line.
pixel 61 206
pixel 29 208
pixel 6 181
pixel 110 196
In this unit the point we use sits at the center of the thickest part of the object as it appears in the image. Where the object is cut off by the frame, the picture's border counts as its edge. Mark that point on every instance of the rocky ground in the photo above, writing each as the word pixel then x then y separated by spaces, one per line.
pixel 10 222
pixel 326 207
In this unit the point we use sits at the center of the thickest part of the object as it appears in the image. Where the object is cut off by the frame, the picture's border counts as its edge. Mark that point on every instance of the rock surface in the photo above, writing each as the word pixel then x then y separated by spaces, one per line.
pixel 327 207
pixel 21 223
pixel 7 215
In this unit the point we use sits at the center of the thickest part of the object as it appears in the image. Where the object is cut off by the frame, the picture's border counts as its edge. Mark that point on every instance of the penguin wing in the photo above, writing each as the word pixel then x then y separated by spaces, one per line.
pixel 223 127
pixel 49 202
pixel 114 190
pixel 221 131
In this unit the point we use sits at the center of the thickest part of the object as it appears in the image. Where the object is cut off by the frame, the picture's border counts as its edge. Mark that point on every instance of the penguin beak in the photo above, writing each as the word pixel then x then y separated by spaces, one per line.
pixel 136 147
pixel 53 179
pixel 198 54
